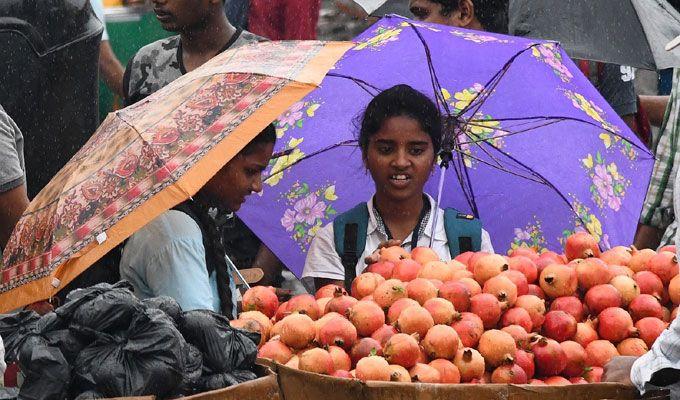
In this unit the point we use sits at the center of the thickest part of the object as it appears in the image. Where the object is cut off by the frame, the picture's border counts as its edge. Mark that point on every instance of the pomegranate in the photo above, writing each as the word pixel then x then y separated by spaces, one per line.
pixel 383 269
pixel 304 304
pixel 599 352
pixel 469 330
pixel 460 274
pixel 422 358
pixel 293 362
pixel 576 359
pixel 526 361
pixel 509 373
pixel 473 260
pixel 556 381
pixel 457 293
pixel 425 374
pixel 593 374
pixel 365 284
pixel 674 289
pixel 619 270
pixel 262 319
pixel 275 350
pixel 329 291
pixel 549 356
pixel 367 317
pixel 488 266
pixel 472 285
pixel 632 347
pixel 373 368
pixel 518 279
pixel 645 305
pixel 365 347
pixel 578 380
pixel 615 324
pixel 569 304
pixel 558 280
pixel 497 347
pixel 639 259
pixel 517 316
pixel 559 325
pixel 591 272
pixel 415 319
pixel 316 360
pixel 322 303
pixel 524 251
pixel 338 373
pixel 393 254
pixel 339 332
pixel 388 292
pixel 441 310
pixel 441 341
pixel 341 360
pixel 399 374
pixel 549 258
pixel 438 270
pixel 276 329
pixel 456 265
pixel 464 258
pixel 537 382
pixel 581 245
pixel 670 248
pixel 627 287
pixel 402 349
pixel 619 255
pixel 399 306
pixel 260 298
pixel 340 303
pixel 383 333
pixel 536 308
pixel 503 289
pixel 650 328
pixel 282 311
pixel 602 296
pixel 421 290
pixel 423 255
pixel 447 370
pixel 406 270
pixel 522 338
pixel 487 307
pixel 585 333
pixel 664 265
pixel 524 265
pixel 536 290
pixel 252 326
pixel 470 364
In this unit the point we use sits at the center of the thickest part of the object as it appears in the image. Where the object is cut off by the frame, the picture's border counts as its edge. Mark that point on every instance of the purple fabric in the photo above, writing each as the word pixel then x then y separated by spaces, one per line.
pixel 581 168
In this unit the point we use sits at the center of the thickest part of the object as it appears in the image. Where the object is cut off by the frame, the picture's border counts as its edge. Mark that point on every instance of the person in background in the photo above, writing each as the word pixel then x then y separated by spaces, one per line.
pixel 480 15
pixel 110 68
pixel 13 197
pixel 237 12
pixel 284 19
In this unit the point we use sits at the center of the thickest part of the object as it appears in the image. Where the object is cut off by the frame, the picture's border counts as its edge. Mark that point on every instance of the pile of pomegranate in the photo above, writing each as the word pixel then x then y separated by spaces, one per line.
pixel 541 319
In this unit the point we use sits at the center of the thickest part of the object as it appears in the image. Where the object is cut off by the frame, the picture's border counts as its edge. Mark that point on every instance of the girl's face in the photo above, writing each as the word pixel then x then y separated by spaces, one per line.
pixel 400 157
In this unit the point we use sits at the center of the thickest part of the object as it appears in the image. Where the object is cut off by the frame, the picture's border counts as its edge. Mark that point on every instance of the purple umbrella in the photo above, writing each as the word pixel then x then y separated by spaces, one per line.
pixel 535 151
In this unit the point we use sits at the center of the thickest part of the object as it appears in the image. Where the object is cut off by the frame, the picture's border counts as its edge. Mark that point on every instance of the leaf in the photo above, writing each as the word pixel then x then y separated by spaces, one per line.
pixel 312 109
pixel 299 123
pixel 598 158
pixel 293 142
pixel 305 188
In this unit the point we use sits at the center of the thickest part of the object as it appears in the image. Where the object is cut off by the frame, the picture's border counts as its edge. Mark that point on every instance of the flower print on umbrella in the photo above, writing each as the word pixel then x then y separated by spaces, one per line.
pixel 608 186
pixel 550 54
pixel 478 38
pixel 308 210
pixel 424 26
pixel 294 117
pixel 127 166
pixel 584 220
pixel 279 166
pixel 530 236
pixel 614 142
pixel 591 109
pixel 382 37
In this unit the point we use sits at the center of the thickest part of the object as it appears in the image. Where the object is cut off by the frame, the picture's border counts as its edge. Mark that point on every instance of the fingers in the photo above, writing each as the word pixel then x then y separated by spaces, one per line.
pixel 375 257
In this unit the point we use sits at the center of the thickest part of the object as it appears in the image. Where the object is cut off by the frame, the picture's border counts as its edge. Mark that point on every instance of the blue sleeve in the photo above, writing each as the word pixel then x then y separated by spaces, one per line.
pixel 178 270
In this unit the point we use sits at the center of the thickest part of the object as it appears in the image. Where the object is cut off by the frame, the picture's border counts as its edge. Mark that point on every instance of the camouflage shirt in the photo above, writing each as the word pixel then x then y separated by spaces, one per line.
pixel 159 63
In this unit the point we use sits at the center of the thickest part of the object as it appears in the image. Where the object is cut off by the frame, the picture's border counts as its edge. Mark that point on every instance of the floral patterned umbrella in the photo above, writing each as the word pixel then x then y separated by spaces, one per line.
pixel 537 152
pixel 147 158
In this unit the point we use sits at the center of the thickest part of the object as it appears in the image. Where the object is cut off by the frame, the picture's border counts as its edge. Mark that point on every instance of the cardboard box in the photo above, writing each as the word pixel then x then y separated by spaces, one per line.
pixel 300 385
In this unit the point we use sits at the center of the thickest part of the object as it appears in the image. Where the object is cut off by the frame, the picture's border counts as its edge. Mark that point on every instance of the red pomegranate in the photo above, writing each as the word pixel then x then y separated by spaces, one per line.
pixel 469 330
pixel 441 341
pixel 576 359
pixel 366 316
pixel 341 360
pixel 578 380
pixel 549 258
pixel 338 373
pixel 393 254
pixel 632 347
pixel 488 266
pixel 649 329
pixel 373 368
pixel 457 293
pixel 537 382
pixel 388 292
pixel 402 349
pixel 569 304
pixel 438 270
pixel 472 285
pixel 599 352
pixel 558 280
pixel 536 308
pixel 262 299
pixel 524 265
pixel 674 290
pixel 447 370
pixel 615 324
pixel 602 296
pixel 384 333
pixel 556 381
pixel 415 319
pixel 399 374
pixel 509 373
pixel 619 255
pixel 365 347
pixel 519 280
pixel 421 290
pixel 503 289
pixel 594 374
pixel 329 291
pixel 639 259
pixel 645 305
pixel 524 251
pixel 383 269
pixel 423 255
pixel 522 338
pixel 627 286
pixel 536 290
pixel 470 364
pixel 670 248
pixel 585 333
pixel 340 303
pixel 424 373
pixel 559 325
pixel 304 304
pixel 664 265
pixel 549 357
pixel 487 307
pixel 464 258
pixel 442 311
pixel 397 307
pixel 297 331
pixel 275 350
pixel 406 270
pixel 316 360
pixel 365 284
pixel 282 311
pixel 517 316
pixel 497 347
pixel 581 245
pixel 473 260
pixel 338 332
pixel 591 272
pixel 526 361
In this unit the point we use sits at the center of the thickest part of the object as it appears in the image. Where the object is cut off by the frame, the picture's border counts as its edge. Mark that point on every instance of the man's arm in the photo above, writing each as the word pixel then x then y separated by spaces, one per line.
pixel 12 204
pixel 655 106
pixel 647 237
pixel 110 69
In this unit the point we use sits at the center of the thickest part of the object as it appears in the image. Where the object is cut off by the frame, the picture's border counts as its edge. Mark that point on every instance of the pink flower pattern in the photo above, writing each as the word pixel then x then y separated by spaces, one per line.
pixel 292 115
pixel 308 210
pixel 288 220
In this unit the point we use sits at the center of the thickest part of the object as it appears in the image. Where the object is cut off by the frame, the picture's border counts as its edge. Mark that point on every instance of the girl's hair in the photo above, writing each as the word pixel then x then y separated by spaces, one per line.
pixel 401 100
pixel 492 14
pixel 268 135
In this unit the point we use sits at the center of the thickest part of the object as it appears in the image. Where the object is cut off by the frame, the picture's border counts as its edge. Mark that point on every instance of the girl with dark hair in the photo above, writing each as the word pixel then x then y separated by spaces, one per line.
pixel 400 136
pixel 480 15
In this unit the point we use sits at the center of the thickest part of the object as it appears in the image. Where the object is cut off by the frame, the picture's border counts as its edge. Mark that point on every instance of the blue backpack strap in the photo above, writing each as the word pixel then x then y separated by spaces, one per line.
pixel 463 231
pixel 349 230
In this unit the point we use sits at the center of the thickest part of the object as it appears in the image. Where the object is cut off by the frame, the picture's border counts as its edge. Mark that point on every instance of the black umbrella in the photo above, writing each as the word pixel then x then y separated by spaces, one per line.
pixel 624 32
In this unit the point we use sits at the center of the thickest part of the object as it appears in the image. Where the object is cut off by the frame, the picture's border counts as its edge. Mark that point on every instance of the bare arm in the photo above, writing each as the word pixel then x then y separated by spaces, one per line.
pixel 655 106
pixel 12 204
pixel 321 282
pixel 269 263
pixel 110 69
pixel 647 237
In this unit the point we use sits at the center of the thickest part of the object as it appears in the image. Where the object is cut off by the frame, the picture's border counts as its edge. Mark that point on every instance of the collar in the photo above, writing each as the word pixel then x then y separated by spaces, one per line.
pixel 440 235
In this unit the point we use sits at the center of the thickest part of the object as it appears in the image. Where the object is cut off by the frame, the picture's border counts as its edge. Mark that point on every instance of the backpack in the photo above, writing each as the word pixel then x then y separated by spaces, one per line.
pixel 463 232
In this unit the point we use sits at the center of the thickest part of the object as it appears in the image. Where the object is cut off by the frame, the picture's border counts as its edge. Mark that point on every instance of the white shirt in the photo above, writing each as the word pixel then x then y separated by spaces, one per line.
pixel 323 260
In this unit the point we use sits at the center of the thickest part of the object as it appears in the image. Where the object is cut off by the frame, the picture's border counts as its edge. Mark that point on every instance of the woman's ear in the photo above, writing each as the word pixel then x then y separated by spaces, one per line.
pixel 465 14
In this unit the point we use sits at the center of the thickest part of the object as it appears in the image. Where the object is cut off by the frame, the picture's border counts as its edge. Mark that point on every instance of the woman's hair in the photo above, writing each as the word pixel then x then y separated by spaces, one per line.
pixel 492 14
pixel 401 100
pixel 267 135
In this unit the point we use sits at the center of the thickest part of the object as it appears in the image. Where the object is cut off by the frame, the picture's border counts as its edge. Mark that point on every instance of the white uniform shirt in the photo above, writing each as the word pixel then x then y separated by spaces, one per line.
pixel 323 260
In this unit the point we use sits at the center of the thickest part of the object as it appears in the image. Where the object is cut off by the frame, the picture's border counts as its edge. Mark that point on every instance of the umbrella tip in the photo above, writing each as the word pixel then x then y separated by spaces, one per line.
pixel 673 44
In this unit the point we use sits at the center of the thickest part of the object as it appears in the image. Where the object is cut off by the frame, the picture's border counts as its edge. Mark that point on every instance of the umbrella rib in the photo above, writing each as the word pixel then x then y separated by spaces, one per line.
pixel 512 133
pixel 360 82
pixel 347 143
pixel 500 168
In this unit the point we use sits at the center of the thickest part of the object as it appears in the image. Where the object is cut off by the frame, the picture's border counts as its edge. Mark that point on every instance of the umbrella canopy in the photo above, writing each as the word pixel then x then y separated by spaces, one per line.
pixel 625 32
pixel 147 158
pixel 537 151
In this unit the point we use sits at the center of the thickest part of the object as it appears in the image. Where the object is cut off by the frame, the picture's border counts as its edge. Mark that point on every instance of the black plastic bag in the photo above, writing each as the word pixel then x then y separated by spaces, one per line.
pixel 55 330
pixel 166 304
pixel 76 298
pixel 108 312
pixel 193 366
pixel 47 374
pixel 220 381
pixel 13 329
pixel 89 395
pixel 244 375
pixel 224 348
pixel 145 360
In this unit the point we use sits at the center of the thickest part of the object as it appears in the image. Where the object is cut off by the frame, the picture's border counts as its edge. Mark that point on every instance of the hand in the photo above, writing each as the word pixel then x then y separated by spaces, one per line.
pixel 375 257
pixel 618 370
